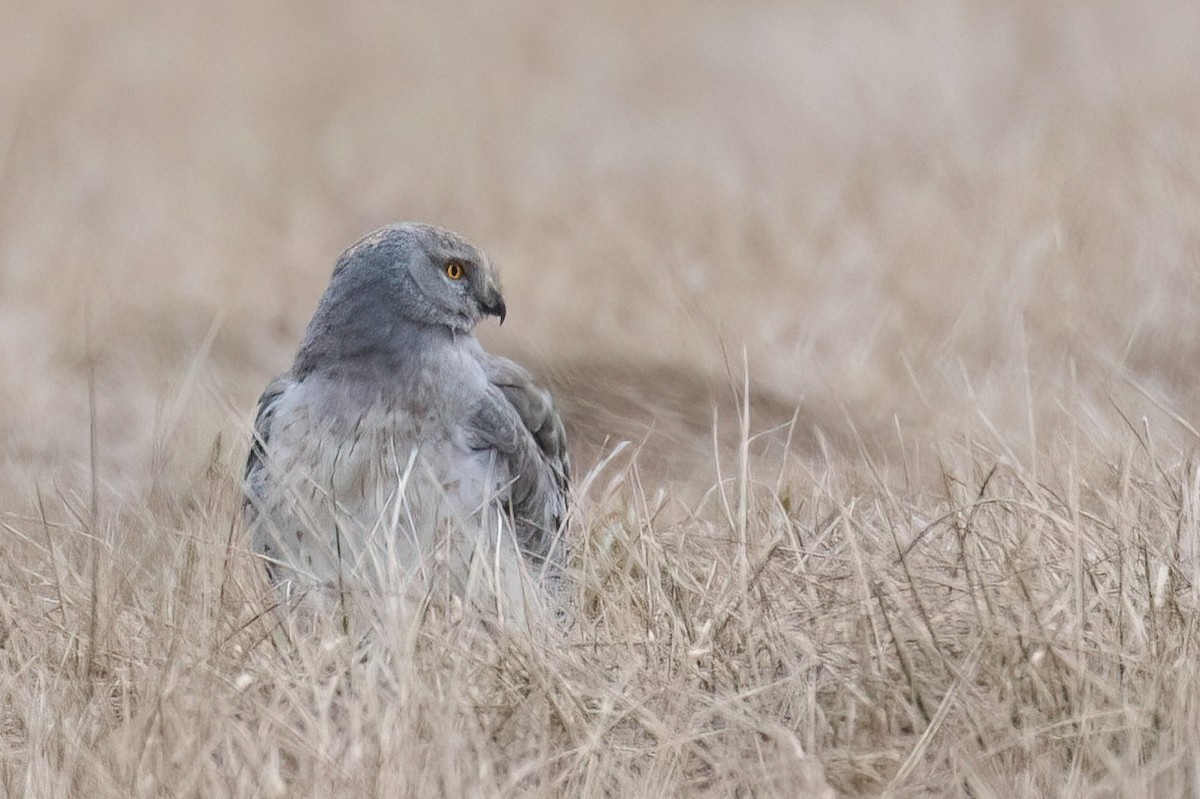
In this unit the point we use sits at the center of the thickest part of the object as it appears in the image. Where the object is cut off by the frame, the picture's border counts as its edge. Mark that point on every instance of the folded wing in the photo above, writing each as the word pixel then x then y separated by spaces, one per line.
pixel 518 421
pixel 256 461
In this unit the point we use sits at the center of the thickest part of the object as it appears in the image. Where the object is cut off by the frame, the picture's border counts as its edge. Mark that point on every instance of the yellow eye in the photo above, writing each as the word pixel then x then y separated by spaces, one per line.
pixel 454 270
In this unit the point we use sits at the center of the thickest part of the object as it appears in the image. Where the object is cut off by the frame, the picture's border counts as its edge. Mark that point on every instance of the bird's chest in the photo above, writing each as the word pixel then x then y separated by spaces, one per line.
pixel 366 455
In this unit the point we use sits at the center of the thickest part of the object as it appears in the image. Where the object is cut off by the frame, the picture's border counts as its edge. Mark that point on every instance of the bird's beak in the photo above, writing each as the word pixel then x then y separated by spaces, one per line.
pixel 493 304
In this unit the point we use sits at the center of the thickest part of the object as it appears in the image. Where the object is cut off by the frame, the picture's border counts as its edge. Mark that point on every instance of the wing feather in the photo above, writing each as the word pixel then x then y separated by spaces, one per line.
pixel 260 438
pixel 517 419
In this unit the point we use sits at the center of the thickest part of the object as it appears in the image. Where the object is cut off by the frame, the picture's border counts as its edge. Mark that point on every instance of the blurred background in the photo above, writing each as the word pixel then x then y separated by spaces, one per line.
pixel 908 216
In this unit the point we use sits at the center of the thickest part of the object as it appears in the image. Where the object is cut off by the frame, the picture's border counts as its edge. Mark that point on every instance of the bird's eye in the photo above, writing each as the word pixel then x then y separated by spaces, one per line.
pixel 454 270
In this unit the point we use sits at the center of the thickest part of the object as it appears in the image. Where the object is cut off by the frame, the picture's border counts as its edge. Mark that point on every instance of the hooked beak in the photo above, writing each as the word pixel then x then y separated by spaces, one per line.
pixel 493 305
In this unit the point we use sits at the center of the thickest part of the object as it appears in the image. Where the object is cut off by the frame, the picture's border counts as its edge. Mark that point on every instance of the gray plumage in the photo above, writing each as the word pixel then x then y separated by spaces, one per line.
pixel 396 451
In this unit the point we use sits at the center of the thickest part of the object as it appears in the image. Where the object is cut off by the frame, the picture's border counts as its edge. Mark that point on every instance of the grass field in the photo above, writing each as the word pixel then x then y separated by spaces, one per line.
pixel 947 544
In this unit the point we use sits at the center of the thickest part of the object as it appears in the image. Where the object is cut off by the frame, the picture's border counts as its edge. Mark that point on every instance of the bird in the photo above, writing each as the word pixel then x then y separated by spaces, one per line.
pixel 397 456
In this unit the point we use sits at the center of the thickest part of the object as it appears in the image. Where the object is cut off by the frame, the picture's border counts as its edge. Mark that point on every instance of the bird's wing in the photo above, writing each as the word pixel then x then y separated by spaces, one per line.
pixel 518 421
pixel 256 460
pixel 535 407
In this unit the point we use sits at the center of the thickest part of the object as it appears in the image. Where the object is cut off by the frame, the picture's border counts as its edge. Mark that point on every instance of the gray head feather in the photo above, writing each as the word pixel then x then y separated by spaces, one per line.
pixel 397 284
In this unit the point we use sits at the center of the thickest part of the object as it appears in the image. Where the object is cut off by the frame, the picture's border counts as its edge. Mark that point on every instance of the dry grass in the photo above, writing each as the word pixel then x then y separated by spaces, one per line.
pixel 947 547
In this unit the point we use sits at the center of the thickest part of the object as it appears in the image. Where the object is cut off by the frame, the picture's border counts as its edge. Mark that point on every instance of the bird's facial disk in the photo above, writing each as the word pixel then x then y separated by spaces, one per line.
pixel 469 285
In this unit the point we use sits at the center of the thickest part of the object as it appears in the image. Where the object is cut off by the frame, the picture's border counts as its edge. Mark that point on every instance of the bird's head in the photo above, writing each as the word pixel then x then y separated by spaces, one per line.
pixel 392 284
pixel 426 274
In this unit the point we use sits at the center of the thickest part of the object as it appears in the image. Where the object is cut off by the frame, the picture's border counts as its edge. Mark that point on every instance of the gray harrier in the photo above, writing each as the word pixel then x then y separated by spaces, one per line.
pixel 398 455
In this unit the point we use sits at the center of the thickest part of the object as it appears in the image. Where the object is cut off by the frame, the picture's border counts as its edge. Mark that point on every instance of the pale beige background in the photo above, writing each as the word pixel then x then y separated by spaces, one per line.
pixel 883 203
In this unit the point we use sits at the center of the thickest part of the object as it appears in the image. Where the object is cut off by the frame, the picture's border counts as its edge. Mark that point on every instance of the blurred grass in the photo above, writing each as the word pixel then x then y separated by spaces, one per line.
pixel 958 241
